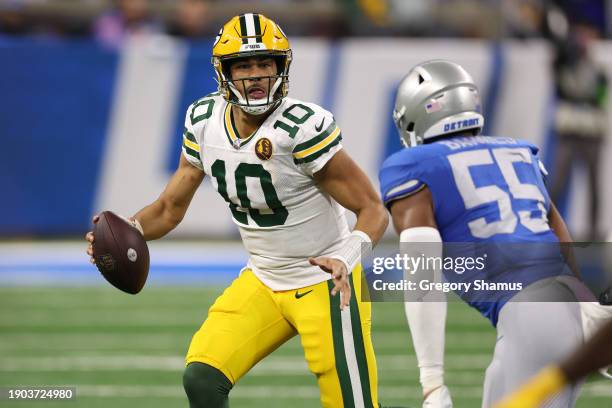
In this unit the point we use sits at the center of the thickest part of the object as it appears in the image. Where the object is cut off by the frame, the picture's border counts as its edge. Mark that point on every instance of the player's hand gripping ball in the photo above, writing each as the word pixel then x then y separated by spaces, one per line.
pixel 120 252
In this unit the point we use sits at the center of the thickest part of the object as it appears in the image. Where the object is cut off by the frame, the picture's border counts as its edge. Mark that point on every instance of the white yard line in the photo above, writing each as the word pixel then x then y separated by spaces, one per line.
pixel 280 365
pixel 383 342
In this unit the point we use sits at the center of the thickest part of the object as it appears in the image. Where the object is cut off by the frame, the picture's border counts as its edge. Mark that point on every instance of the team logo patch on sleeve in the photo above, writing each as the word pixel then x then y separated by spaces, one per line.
pixel 263 148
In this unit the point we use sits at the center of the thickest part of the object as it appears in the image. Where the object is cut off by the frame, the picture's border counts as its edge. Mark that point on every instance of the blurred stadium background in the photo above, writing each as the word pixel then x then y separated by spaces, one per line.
pixel 92 99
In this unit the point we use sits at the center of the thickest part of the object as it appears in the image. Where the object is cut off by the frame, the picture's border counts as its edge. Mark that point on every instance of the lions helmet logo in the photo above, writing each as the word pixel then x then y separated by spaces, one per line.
pixel 263 148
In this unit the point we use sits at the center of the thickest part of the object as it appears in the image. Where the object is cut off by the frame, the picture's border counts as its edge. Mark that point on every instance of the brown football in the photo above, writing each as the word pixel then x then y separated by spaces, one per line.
pixel 121 253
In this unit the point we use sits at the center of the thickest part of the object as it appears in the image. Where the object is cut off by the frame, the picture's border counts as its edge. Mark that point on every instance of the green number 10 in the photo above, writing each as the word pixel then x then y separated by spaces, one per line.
pixel 304 112
pixel 279 213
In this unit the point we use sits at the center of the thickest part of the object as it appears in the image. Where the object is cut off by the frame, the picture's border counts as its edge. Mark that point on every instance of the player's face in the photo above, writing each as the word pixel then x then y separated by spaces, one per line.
pixel 259 72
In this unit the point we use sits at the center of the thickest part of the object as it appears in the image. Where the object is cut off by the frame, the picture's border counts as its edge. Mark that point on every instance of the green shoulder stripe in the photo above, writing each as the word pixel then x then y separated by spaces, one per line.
pixel 189 136
pixel 309 143
pixel 191 152
pixel 319 153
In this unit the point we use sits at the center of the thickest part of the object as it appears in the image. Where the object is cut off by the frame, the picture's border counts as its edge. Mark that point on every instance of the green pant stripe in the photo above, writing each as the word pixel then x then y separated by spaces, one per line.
pixel 360 352
pixel 341 365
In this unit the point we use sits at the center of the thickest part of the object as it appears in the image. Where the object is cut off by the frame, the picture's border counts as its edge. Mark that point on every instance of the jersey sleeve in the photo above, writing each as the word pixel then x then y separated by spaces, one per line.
pixel 400 177
pixel 317 142
pixel 191 148
pixel 542 168
pixel 534 152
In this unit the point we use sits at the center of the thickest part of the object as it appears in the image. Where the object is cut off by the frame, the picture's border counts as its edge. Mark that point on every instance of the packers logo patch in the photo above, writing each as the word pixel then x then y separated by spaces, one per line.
pixel 263 148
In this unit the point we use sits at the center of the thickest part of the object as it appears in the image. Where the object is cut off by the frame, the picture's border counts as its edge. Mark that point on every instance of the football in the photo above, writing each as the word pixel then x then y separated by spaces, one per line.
pixel 121 253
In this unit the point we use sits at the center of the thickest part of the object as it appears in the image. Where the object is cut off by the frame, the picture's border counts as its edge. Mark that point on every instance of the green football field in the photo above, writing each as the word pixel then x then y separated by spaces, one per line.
pixel 127 351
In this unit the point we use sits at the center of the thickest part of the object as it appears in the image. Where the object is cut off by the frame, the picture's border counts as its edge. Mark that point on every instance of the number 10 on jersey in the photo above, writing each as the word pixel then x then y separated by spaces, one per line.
pixel 278 213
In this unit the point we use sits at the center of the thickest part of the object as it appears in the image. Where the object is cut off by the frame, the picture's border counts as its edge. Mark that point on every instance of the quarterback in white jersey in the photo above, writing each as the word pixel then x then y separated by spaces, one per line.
pixel 267 178
pixel 279 164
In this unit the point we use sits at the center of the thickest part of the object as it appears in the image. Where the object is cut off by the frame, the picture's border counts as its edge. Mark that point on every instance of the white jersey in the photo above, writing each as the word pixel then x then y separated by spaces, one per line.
pixel 267 180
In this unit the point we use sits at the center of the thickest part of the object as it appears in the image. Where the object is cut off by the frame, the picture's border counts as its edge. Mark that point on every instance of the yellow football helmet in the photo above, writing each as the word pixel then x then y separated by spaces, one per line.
pixel 249 35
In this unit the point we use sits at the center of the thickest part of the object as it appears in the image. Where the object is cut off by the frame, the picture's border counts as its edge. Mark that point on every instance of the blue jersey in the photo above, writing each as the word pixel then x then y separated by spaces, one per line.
pixel 485 190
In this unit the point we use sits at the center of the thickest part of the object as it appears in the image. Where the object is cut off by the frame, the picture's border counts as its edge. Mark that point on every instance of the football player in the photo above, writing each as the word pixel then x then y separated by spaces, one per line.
pixel 595 355
pixel 279 164
pixel 452 185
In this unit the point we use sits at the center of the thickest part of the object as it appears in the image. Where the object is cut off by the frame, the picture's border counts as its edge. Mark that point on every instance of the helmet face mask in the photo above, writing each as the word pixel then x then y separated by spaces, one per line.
pixel 408 137
pixel 252 36
pixel 436 98
pixel 251 105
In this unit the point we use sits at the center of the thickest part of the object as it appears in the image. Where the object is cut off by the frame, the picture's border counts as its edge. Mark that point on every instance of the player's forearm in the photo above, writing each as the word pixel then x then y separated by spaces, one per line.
pixel 371 224
pixel 560 229
pixel 558 225
pixel 165 213
pixel 372 220
pixel 595 354
pixel 158 219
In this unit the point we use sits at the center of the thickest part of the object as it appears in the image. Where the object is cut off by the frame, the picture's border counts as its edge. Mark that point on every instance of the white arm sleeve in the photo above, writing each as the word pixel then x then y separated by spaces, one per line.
pixel 427 317
pixel 350 253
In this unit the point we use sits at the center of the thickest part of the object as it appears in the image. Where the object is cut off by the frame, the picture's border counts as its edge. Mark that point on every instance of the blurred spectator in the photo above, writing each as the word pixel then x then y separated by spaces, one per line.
pixel 13 20
pixel 523 18
pixel 592 12
pixel 375 10
pixel 387 17
pixel 468 18
pixel 580 119
pixel 17 19
pixel 190 19
pixel 130 17
pixel 328 18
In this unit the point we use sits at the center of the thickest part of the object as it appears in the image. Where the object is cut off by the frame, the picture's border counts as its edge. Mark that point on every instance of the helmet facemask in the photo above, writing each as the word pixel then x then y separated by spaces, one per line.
pixel 405 128
pixel 277 85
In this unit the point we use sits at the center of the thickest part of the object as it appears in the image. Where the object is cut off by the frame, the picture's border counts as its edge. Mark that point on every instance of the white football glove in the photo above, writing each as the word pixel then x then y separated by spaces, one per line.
pixel 439 398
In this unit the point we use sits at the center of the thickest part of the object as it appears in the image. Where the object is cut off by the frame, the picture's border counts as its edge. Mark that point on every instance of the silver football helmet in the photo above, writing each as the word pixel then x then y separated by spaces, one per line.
pixel 436 98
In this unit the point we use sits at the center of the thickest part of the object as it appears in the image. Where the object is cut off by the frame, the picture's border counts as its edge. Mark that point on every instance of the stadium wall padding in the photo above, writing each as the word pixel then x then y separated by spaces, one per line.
pixel 83 128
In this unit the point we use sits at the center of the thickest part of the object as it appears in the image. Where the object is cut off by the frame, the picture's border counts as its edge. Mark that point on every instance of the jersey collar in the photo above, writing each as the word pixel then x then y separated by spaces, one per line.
pixel 230 129
pixel 232 132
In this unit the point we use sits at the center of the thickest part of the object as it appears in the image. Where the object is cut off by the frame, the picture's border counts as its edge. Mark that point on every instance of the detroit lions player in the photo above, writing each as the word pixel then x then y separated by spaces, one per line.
pixel 595 355
pixel 453 185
